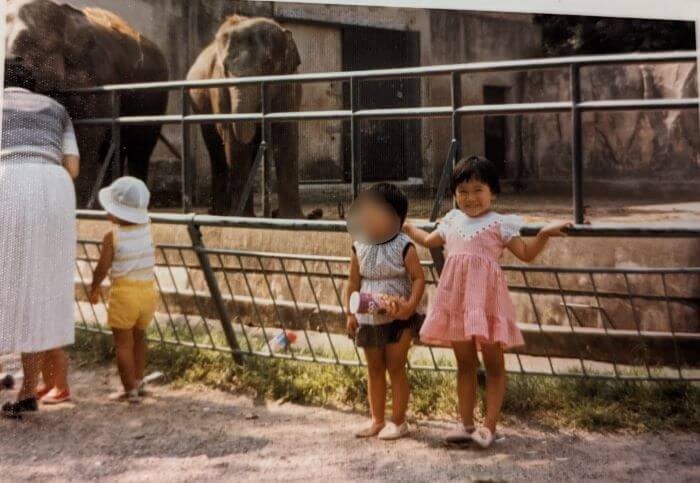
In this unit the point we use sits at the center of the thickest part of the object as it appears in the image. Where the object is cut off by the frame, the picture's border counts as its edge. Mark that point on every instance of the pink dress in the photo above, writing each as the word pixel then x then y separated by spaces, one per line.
pixel 472 300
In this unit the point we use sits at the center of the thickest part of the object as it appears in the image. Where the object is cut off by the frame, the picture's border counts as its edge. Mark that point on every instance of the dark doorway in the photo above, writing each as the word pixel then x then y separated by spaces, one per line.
pixel 390 150
pixel 495 131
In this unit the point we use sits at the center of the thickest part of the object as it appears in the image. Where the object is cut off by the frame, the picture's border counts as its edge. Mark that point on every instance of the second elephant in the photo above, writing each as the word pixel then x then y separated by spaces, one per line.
pixel 245 47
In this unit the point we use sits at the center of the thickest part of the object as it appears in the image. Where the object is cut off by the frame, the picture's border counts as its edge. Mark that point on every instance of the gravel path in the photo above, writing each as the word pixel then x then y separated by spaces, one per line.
pixel 196 434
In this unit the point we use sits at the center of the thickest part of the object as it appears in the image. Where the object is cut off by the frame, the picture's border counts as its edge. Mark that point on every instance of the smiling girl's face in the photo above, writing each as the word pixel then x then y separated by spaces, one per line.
pixel 474 197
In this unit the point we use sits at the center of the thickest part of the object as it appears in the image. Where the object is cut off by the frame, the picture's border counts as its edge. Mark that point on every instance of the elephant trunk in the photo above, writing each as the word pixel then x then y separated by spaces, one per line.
pixel 244 99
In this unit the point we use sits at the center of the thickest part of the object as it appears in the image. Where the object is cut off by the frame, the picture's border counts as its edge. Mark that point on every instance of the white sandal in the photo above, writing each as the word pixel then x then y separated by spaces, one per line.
pixel 393 431
pixel 368 431
pixel 483 437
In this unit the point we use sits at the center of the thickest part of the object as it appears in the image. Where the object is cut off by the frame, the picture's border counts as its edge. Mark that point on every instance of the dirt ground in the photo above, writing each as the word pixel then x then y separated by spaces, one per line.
pixel 199 434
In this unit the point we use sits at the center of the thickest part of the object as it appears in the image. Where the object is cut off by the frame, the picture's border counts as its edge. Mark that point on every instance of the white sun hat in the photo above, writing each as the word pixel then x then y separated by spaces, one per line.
pixel 126 198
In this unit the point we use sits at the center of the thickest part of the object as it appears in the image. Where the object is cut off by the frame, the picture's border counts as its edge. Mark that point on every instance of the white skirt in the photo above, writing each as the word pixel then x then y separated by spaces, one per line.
pixel 37 257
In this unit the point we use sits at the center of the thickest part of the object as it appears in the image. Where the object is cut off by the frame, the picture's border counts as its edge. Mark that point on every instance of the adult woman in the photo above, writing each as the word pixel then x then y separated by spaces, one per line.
pixel 38 158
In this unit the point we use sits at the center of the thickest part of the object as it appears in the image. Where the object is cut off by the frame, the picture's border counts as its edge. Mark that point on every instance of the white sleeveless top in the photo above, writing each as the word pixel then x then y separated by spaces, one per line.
pixel 382 270
pixel 134 255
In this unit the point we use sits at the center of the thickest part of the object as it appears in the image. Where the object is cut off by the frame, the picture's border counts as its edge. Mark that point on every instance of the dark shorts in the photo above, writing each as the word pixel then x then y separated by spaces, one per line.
pixel 389 333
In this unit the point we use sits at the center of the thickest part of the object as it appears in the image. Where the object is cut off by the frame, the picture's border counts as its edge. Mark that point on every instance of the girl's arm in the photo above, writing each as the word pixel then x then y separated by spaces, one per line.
pixel 406 308
pixel 422 237
pixel 528 250
pixel 353 286
pixel 102 268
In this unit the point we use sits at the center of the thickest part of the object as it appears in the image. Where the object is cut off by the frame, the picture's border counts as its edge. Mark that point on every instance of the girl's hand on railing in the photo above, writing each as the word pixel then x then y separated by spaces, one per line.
pixel 556 228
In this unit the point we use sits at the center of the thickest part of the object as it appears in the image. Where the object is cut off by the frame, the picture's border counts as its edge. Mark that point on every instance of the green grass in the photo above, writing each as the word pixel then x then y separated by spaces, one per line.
pixel 547 401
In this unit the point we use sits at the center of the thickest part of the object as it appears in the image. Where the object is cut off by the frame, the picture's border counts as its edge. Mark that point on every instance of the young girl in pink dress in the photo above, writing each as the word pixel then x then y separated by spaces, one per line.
pixel 471 310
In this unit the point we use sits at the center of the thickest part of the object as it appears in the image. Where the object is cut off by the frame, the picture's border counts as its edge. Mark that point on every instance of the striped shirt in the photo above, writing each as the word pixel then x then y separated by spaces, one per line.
pixel 35 129
pixel 383 271
pixel 134 255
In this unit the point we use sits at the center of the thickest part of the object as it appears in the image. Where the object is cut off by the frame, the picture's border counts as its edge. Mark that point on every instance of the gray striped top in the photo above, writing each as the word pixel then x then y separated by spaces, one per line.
pixel 383 271
pixel 35 129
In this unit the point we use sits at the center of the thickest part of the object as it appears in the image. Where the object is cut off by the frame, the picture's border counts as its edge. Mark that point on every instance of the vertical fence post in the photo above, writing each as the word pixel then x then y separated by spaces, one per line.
pixel 576 149
pixel 186 167
pixel 355 140
pixel 212 284
pixel 456 98
pixel 265 136
pixel 116 136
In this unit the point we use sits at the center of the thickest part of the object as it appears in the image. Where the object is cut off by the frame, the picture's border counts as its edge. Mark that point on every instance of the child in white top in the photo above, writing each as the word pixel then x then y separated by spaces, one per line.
pixel 127 250
pixel 384 261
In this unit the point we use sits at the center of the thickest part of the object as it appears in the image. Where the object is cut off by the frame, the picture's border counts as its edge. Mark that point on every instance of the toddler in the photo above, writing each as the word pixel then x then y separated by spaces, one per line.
pixel 128 255
pixel 384 261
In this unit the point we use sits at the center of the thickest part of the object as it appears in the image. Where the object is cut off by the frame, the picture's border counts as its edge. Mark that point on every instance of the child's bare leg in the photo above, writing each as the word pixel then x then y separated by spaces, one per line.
pixel 47 371
pixel 467 364
pixel 495 382
pixel 139 353
pixel 124 347
pixel 376 384
pixel 396 355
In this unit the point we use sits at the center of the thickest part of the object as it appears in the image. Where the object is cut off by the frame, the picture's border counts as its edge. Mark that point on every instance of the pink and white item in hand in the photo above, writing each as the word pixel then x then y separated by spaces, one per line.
pixel 369 303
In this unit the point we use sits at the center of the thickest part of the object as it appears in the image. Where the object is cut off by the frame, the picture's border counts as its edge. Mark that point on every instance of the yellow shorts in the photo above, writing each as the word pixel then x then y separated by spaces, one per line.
pixel 132 303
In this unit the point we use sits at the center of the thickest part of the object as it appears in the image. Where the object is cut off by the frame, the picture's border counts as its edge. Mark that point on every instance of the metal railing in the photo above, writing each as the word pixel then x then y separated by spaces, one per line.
pixel 455 111
pixel 613 323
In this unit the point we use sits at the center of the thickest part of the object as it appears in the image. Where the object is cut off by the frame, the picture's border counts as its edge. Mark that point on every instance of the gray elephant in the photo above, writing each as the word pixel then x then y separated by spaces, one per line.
pixel 245 47
pixel 66 47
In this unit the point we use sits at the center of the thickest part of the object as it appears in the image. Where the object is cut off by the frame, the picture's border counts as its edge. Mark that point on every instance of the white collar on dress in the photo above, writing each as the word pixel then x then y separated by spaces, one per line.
pixel 17 89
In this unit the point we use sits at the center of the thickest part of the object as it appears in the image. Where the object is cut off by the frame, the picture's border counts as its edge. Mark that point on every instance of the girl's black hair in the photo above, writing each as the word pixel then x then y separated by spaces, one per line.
pixel 476 168
pixel 392 196
pixel 17 75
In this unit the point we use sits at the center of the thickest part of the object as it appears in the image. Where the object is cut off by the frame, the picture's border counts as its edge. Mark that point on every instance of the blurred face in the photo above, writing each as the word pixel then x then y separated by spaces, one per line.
pixel 474 197
pixel 376 221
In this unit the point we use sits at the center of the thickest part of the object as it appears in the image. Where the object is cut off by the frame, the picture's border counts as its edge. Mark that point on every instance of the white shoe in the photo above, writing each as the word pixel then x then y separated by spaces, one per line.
pixel 369 430
pixel 483 437
pixel 460 434
pixel 392 431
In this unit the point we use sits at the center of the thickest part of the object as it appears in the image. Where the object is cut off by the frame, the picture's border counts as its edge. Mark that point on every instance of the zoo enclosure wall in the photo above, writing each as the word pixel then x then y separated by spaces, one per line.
pixel 455 112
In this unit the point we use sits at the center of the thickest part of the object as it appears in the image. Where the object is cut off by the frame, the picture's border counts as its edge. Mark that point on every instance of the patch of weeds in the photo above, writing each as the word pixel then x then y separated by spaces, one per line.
pixel 591 404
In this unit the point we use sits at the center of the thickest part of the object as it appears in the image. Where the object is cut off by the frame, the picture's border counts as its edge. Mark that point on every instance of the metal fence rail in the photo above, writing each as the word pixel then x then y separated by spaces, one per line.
pixel 455 111
pixel 636 323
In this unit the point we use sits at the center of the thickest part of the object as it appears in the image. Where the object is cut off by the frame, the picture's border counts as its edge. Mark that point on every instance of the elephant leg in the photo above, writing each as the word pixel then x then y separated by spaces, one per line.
pixel 221 197
pixel 242 157
pixel 138 144
pixel 285 139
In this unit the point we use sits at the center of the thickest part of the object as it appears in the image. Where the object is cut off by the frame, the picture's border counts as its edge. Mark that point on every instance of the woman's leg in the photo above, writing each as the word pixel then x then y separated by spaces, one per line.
pixel 54 369
pixel 467 364
pixel 124 347
pixel 376 384
pixel 139 353
pixel 495 382
pixel 396 355
pixel 31 365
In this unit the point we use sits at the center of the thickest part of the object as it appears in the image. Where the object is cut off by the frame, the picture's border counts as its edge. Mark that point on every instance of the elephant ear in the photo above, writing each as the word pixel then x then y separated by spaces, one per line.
pixel 220 99
pixel 291 55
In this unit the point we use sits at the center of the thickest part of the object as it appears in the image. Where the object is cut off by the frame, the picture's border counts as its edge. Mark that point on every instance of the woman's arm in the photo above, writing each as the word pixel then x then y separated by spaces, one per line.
pixel 406 308
pixel 422 237
pixel 353 286
pixel 102 268
pixel 528 250
pixel 72 164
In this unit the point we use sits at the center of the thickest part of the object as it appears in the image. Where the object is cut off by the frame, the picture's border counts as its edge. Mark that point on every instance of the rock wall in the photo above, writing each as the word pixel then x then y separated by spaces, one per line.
pixel 626 146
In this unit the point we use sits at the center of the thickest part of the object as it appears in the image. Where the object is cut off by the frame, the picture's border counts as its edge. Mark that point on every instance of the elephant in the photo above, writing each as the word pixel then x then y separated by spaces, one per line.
pixel 66 47
pixel 242 47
